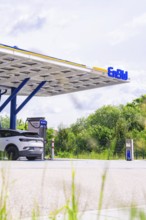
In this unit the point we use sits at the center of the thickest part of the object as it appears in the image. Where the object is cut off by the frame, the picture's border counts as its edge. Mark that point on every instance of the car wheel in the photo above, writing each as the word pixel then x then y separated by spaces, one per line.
pixel 31 158
pixel 12 153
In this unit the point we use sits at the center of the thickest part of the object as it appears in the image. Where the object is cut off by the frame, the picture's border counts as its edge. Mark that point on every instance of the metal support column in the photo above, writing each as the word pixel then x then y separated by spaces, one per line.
pixel 13 94
pixel 13 97
pixel 12 111
pixel 30 96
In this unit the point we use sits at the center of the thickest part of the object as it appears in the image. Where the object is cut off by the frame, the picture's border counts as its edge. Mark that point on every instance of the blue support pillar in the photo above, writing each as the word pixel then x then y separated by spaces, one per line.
pixel 30 96
pixel 14 93
pixel 13 97
pixel 13 110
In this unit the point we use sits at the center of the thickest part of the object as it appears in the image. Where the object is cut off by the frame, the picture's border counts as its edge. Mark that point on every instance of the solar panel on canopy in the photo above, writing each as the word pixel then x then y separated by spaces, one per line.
pixel 61 76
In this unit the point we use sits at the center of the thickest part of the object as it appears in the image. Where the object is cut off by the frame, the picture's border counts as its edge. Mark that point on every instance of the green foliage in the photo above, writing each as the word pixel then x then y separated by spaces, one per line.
pixel 101 134
pixel 72 206
pixel 70 209
pixel 61 140
pixel 35 213
pixel 105 130
pixel 106 116
pixel 136 214
pixel 49 136
pixel 21 125
pixel 133 117
pixel 4 214
pixel 4 122
pixel 80 125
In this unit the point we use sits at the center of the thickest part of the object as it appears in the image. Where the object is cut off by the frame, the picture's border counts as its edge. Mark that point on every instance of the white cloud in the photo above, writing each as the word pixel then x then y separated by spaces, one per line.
pixel 26 24
pixel 139 21
pixel 90 32
pixel 128 30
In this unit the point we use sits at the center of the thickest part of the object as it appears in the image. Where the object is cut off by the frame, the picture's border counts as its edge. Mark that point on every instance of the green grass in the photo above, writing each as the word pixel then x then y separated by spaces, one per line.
pixel 69 210
pixel 4 212
pixel 35 213
pixel 137 214
pixel 105 155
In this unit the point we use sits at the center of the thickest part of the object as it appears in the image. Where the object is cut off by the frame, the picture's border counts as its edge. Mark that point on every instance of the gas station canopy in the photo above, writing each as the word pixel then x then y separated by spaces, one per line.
pixel 60 76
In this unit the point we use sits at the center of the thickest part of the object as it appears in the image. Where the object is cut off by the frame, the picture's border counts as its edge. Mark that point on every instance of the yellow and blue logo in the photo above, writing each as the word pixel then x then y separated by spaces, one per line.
pixel 118 74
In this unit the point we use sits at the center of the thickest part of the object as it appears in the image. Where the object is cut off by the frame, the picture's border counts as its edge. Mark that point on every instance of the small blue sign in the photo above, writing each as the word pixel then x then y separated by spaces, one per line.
pixel 118 74
pixel 43 122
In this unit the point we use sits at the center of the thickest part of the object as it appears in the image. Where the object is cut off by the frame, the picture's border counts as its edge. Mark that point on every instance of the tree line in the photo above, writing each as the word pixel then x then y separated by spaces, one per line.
pixel 105 130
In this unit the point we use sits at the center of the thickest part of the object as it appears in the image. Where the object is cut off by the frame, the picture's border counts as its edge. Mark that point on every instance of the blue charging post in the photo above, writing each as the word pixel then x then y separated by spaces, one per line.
pixel 129 150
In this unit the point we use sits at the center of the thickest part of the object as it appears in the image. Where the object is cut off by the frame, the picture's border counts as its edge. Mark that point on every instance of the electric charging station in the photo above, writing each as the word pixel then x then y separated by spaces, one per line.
pixel 26 73
pixel 38 125
pixel 129 150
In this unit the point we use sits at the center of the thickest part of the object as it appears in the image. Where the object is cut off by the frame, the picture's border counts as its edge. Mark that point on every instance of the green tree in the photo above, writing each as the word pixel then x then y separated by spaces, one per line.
pixel 102 136
pixel 61 140
pixel 83 142
pixel 49 137
pixel 106 129
pixel 106 116
pixel 133 117
pixel 4 121
pixel 80 125
pixel 21 125
pixel 120 136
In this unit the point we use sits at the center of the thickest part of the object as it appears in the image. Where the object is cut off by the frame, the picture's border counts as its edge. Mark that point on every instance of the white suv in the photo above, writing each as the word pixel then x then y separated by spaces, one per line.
pixel 17 144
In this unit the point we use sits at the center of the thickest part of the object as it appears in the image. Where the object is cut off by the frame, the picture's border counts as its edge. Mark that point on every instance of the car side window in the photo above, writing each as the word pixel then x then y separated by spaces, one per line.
pixel 13 133
pixel 4 134
pixel 0 134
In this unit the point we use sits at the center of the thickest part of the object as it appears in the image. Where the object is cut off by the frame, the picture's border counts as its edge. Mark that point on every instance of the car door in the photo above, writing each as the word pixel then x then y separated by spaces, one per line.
pixel 3 140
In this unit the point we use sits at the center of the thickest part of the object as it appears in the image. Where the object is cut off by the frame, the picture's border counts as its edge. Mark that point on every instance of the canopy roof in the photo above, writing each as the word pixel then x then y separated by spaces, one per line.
pixel 61 76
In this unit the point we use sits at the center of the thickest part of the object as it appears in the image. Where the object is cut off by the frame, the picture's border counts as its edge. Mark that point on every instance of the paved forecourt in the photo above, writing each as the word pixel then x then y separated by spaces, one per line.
pixel 47 184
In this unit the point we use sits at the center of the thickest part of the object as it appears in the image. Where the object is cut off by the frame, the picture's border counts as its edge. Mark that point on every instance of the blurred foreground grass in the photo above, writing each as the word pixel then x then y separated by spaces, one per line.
pixel 69 211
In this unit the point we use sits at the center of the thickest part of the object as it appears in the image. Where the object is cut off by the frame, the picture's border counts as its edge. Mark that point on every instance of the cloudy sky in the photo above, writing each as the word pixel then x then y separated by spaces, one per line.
pixel 95 33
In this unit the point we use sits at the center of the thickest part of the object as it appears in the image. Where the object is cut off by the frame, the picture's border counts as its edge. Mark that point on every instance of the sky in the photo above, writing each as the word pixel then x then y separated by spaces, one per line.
pixel 98 33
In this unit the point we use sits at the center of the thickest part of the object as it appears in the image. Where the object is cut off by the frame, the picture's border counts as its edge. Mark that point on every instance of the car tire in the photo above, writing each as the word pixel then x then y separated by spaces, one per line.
pixel 12 153
pixel 31 158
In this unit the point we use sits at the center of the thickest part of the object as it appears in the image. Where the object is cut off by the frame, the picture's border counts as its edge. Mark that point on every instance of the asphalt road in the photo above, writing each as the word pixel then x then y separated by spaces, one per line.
pixel 47 184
